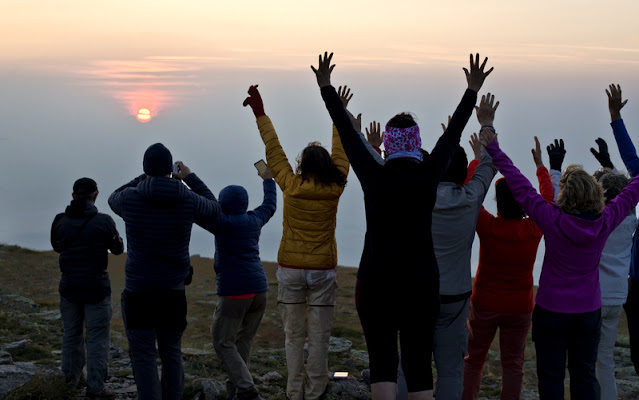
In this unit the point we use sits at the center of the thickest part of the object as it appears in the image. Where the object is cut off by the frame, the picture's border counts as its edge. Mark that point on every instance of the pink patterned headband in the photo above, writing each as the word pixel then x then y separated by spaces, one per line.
pixel 402 140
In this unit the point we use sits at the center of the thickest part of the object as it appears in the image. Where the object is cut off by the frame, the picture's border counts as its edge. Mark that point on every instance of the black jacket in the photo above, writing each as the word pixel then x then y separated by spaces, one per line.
pixel 159 213
pixel 84 251
pixel 399 197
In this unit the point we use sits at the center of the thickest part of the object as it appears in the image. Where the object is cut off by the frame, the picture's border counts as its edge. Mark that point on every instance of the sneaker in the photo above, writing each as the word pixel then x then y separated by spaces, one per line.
pixel 103 394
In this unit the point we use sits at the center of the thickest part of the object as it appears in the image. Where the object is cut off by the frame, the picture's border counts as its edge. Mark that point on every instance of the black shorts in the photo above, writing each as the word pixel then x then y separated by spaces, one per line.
pixel 411 315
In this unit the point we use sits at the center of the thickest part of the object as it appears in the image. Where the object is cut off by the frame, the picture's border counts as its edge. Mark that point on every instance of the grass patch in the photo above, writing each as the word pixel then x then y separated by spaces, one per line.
pixel 44 388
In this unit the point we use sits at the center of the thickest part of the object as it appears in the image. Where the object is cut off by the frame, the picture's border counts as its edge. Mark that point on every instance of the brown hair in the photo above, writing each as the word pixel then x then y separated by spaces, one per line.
pixel 316 162
pixel 579 192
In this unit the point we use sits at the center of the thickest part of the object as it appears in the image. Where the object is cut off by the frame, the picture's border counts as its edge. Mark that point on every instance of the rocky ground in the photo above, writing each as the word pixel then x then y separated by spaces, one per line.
pixel 29 366
pixel 31 332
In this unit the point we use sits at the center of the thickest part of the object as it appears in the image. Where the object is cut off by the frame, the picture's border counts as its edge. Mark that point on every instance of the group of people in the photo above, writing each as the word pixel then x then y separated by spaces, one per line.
pixel 414 293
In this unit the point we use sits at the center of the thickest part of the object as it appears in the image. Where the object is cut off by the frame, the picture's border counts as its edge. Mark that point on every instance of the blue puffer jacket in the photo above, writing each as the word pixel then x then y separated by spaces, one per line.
pixel 159 213
pixel 237 234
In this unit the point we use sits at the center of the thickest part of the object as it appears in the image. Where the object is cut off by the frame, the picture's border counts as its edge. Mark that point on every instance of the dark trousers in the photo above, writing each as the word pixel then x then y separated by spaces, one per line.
pixel 632 314
pixel 575 335
pixel 154 321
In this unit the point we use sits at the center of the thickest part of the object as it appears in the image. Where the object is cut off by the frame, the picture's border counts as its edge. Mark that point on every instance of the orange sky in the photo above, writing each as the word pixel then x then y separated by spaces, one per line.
pixel 282 33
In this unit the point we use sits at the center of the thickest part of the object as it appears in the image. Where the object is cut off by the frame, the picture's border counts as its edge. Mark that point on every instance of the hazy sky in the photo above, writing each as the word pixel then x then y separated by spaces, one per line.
pixel 74 73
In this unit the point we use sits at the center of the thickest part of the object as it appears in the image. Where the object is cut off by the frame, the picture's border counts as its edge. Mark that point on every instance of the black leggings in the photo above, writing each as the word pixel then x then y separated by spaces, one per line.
pixel 412 315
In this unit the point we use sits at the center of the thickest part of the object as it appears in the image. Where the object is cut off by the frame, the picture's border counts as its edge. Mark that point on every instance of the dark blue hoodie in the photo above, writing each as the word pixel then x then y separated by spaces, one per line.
pixel 237 234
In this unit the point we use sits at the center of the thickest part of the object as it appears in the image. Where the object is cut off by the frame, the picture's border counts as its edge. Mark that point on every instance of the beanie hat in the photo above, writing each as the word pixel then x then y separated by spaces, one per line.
pixel 402 142
pixel 85 187
pixel 157 160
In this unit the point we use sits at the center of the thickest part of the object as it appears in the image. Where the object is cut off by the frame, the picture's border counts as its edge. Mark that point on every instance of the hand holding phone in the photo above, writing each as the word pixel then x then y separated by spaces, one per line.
pixel 263 170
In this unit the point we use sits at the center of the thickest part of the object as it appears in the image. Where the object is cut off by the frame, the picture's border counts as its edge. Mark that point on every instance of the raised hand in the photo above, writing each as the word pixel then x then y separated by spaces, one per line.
pixel 603 156
pixel 556 154
pixel 476 75
pixel 375 136
pixel 357 122
pixel 536 153
pixel 266 174
pixel 255 101
pixel 487 136
pixel 615 101
pixel 345 95
pixel 444 127
pixel 476 145
pixel 486 111
pixel 323 71
pixel 183 171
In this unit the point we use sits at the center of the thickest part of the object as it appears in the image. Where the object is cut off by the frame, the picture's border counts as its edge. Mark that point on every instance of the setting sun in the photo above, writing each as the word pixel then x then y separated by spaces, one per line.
pixel 144 115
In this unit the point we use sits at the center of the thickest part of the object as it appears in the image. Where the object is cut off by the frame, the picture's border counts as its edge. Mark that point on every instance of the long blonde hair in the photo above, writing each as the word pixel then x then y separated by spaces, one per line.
pixel 579 192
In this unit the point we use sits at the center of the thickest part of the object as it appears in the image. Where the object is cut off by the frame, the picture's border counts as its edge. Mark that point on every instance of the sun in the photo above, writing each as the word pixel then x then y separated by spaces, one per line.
pixel 144 115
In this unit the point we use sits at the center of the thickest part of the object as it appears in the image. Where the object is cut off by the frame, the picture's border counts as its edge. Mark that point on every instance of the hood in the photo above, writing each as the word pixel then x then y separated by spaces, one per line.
pixel 80 209
pixel 162 190
pixel 580 230
pixel 234 200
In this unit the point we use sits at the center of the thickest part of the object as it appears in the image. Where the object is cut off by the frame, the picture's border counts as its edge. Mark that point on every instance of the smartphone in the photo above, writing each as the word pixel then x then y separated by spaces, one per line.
pixel 176 169
pixel 340 375
pixel 261 166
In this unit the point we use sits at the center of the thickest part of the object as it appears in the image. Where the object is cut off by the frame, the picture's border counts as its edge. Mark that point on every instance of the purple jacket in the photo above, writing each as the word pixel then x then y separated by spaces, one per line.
pixel 569 280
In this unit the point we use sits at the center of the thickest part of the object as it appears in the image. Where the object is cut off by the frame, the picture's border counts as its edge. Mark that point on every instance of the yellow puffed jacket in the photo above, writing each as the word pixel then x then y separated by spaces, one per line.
pixel 310 208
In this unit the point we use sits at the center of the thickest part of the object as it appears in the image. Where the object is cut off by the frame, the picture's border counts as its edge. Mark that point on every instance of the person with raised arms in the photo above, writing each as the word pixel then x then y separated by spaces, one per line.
pixel 502 295
pixel 567 315
pixel 630 159
pixel 398 280
pixel 308 251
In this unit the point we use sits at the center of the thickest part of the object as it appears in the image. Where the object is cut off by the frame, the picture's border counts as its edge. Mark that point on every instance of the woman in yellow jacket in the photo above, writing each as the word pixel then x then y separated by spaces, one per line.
pixel 308 252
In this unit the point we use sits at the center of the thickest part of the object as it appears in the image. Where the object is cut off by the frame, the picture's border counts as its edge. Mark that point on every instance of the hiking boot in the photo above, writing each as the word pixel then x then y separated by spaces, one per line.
pixel 103 394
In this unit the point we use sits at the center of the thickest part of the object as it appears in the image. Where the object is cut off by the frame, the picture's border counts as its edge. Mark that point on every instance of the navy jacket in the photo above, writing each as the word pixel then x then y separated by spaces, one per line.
pixel 159 213
pixel 237 234
pixel 84 254
pixel 399 197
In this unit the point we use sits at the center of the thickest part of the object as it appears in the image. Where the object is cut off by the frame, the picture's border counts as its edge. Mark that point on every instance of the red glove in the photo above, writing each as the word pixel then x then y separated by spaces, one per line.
pixel 255 101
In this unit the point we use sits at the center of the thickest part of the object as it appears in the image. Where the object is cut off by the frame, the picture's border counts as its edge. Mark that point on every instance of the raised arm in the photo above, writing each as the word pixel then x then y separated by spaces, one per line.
pixel 192 181
pixel 375 136
pixel 485 115
pixel 267 209
pixel 116 200
pixel 523 192
pixel 603 156
pixel 445 148
pixel 545 186
pixel 275 156
pixel 360 158
pixel 476 146
pixel 206 206
pixel 556 155
pixel 337 150
pixel 480 181
pixel 626 147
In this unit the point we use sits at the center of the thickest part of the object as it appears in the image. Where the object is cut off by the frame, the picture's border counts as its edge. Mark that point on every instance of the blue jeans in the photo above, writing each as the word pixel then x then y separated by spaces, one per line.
pixel 142 343
pixel 96 318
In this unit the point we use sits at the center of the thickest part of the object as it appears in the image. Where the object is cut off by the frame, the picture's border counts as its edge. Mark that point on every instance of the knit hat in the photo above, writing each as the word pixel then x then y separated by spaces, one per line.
pixel 157 160
pixel 402 142
pixel 84 187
